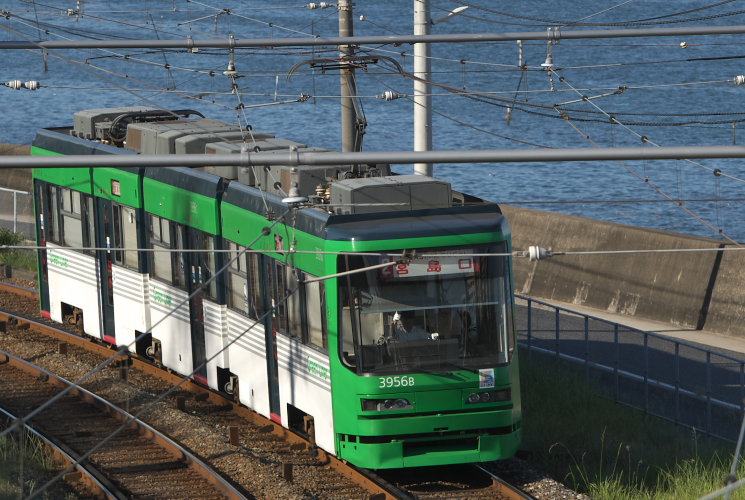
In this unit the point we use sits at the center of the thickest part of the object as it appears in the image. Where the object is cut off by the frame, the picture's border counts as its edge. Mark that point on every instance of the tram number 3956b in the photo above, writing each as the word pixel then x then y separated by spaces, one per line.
pixel 396 382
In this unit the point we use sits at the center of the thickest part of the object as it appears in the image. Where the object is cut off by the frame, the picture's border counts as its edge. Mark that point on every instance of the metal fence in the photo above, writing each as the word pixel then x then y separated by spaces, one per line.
pixel 16 211
pixel 679 381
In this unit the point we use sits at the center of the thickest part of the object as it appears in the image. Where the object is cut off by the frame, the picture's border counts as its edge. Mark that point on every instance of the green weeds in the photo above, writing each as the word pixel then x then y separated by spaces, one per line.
pixel 610 451
pixel 22 259
pixel 25 462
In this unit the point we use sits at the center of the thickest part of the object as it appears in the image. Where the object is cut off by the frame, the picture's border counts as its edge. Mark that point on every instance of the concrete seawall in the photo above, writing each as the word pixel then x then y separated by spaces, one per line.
pixel 688 290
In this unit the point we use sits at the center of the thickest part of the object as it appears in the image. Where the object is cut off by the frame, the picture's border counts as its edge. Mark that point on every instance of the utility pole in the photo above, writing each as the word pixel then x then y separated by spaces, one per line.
pixel 422 98
pixel 348 88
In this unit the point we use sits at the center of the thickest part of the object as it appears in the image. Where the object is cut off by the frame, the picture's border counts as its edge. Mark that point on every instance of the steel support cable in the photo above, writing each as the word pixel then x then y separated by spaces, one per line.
pixel 578 21
pixel 124 349
pixel 489 98
pixel 555 22
pixel 87 68
pixel 657 189
pixel 518 253
pixel 84 67
pixel 259 21
pixel 462 123
pixel 130 58
pixel 716 171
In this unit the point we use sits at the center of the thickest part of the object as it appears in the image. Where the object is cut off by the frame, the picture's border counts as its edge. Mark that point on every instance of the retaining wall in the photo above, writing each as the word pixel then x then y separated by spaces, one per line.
pixel 689 290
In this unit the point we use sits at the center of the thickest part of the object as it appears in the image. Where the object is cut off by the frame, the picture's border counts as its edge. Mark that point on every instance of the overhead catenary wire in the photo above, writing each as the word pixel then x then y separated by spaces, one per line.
pixel 647 181
pixel 645 139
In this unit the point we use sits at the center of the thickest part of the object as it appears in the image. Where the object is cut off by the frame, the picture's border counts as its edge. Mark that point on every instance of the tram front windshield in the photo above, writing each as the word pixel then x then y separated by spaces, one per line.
pixel 444 310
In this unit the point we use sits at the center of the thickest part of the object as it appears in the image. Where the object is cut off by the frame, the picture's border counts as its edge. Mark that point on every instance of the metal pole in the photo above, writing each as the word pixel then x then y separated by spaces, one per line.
pixel 422 98
pixel 530 328
pixel 587 348
pixel 616 362
pixel 15 213
pixel 348 115
pixel 677 382
pixel 190 43
pixel 556 334
pixel 335 158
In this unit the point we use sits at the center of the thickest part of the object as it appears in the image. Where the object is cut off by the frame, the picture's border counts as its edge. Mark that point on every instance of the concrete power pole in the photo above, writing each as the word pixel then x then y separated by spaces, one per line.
pixel 348 89
pixel 422 99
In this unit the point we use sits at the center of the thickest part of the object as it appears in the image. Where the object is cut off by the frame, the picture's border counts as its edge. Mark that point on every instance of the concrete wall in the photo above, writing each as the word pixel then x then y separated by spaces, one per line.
pixel 726 312
pixel 670 287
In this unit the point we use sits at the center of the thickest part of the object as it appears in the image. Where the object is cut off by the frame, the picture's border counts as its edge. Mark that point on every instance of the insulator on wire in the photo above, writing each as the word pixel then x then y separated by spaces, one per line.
pixel 318 5
pixel 18 85
pixel 389 95
pixel 740 80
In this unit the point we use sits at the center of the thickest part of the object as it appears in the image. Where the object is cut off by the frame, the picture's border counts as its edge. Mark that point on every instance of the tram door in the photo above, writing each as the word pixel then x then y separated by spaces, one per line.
pixel 106 236
pixel 199 268
pixel 42 220
pixel 274 278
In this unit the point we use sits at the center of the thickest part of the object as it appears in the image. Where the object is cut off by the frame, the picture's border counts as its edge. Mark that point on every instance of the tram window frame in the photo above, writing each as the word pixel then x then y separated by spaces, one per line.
pixel 243 287
pixel 70 215
pixel 205 261
pixel 294 315
pixel 124 231
pixel 170 268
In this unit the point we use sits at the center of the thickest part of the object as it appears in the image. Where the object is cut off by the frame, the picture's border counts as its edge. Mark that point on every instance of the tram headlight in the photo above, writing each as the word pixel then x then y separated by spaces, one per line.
pixel 488 396
pixel 386 404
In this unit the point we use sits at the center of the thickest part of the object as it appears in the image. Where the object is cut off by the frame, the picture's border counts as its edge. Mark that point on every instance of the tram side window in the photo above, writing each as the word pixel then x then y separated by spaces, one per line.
pixel 301 313
pixel 243 282
pixel 203 263
pixel 167 235
pixel 72 218
pixel 129 236
pixel 53 222
pixel 315 300
pixel 124 232
pixel 70 221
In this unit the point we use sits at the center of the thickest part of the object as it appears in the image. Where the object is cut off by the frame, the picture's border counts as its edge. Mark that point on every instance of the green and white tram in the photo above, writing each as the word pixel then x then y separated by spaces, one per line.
pixel 377 318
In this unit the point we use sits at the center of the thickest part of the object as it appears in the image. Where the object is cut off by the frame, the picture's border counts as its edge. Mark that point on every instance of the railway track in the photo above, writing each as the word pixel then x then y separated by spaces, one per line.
pixel 240 432
pixel 470 481
pixel 126 455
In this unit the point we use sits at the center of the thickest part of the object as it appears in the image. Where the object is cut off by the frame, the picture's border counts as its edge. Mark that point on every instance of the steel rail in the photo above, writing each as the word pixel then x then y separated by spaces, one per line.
pixel 19 290
pixel 153 435
pixel 506 489
pixel 377 491
pixel 233 43
pixel 294 158
pixel 93 480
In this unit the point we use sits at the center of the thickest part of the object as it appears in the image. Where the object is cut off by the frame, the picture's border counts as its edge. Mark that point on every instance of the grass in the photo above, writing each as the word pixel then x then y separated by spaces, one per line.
pixel 610 451
pixel 37 466
pixel 23 259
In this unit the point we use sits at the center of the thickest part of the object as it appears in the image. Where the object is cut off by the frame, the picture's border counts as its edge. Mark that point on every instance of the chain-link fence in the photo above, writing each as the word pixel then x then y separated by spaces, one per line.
pixel 679 381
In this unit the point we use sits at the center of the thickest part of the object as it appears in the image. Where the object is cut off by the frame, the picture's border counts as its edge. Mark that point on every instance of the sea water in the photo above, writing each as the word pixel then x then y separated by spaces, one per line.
pixel 668 91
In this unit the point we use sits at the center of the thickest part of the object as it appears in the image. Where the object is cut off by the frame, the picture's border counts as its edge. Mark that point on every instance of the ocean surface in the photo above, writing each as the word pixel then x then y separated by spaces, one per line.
pixel 668 91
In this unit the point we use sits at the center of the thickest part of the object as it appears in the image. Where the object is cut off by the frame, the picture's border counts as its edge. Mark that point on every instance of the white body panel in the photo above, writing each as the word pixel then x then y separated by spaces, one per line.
pixel 171 326
pixel 131 311
pixel 305 383
pixel 215 332
pixel 73 280
pixel 248 361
